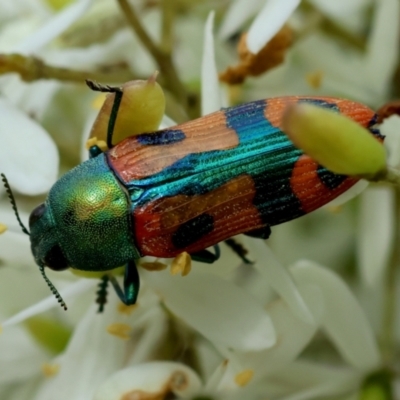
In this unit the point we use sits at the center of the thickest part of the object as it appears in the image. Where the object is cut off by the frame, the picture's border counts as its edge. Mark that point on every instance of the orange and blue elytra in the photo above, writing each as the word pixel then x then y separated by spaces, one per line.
pixel 184 189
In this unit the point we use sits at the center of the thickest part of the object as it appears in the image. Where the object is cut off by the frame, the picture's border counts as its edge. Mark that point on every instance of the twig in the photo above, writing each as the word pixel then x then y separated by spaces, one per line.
pixel 168 13
pixel 32 69
pixel 388 339
pixel 162 58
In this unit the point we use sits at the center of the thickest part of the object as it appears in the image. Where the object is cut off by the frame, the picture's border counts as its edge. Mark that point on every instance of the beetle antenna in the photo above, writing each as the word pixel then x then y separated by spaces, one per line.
pixel 52 288
pixel 97 87
pixel 102 293
pixel 13 203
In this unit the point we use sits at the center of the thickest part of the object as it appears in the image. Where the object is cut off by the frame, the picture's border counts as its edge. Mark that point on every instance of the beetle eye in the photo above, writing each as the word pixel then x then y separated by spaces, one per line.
pixel 55 259
pixel 36 214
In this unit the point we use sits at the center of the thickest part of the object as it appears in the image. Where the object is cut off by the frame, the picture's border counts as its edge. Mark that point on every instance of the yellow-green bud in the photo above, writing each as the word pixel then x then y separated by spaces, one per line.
pixel 58 4
pixel 3 228
pixel 335 141
pixel 51 334
pixel 141 110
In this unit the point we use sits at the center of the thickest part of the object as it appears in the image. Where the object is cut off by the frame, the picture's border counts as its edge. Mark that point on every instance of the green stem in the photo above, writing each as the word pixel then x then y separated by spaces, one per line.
pixel 392 176
pixel 32 69
pixel 162 58
pixel 168 13
pixel 389 312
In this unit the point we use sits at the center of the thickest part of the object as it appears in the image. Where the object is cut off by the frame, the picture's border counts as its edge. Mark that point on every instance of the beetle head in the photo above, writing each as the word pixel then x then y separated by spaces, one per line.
pixel 85 222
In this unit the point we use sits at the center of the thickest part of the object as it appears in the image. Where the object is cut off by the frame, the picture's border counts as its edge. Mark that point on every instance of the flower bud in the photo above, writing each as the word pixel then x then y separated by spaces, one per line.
pixel 335 141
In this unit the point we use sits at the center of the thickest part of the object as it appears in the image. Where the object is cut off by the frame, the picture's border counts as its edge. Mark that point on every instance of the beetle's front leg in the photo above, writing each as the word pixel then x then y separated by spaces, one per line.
pixel 94 151
pixel 129 293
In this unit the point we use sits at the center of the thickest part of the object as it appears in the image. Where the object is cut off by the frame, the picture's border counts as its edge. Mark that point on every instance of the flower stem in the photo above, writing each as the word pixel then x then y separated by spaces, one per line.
pixel 162 58
pixel 389 312
pixel 168 13
pixel 392 176
pixel 32 69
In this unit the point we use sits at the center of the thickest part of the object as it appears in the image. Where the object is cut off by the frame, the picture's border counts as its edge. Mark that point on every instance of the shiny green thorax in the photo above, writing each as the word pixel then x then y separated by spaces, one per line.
pixel 88 215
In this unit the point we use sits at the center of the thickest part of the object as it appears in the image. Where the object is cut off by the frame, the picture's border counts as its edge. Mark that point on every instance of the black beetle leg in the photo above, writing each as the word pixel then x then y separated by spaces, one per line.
pixel 206 256
pixel 238 249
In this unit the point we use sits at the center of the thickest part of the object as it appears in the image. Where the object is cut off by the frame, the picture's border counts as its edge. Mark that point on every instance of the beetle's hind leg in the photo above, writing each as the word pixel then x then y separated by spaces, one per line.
pixel 130 291
pixel 206 256
pixel 238 249
pixel 261 233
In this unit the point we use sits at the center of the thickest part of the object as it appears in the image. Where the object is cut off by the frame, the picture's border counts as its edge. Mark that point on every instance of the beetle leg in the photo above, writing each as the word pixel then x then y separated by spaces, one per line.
pixel 94 151
pixel 261 233
pixel 238 249
pixel 129 294
pixel 206 256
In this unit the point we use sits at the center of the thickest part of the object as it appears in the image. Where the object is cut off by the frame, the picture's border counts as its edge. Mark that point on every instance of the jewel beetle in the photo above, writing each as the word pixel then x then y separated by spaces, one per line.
pixel 184 188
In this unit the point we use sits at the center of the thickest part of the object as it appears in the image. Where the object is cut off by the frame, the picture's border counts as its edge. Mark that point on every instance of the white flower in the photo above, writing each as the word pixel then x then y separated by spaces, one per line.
pixel 239 331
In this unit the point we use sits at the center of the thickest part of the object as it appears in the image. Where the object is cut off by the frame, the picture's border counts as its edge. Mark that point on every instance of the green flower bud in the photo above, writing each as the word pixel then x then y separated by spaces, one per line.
pixel 335 141
pixel 49 333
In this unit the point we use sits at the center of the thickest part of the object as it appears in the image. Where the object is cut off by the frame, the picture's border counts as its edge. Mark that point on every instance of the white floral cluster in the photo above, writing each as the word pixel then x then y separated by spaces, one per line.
pixel 282 328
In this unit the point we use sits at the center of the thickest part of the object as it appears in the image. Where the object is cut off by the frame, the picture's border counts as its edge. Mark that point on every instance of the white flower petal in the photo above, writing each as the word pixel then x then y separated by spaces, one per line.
pixel 167 122
pixel 54 27
pixel 222 312
pixel 210 92
pixel 391 130
pixel 50 302
pixel 305 380
pixel 343 71
pixel 216 377
pixel 17 30
pixel 20 392
pixel 156 331
pixel 21 284
pixel 91 356
pixel 376 231
pixel 238 13
pixel 268 22
pixel 351 14
pixel 354 191
pixel 150 380
pixel 383 45
pixel 28 156
pixel 344 320
pixel 293 334
pixel 14 245
pixel 20 353
pixel 278 278
pixel 33 98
